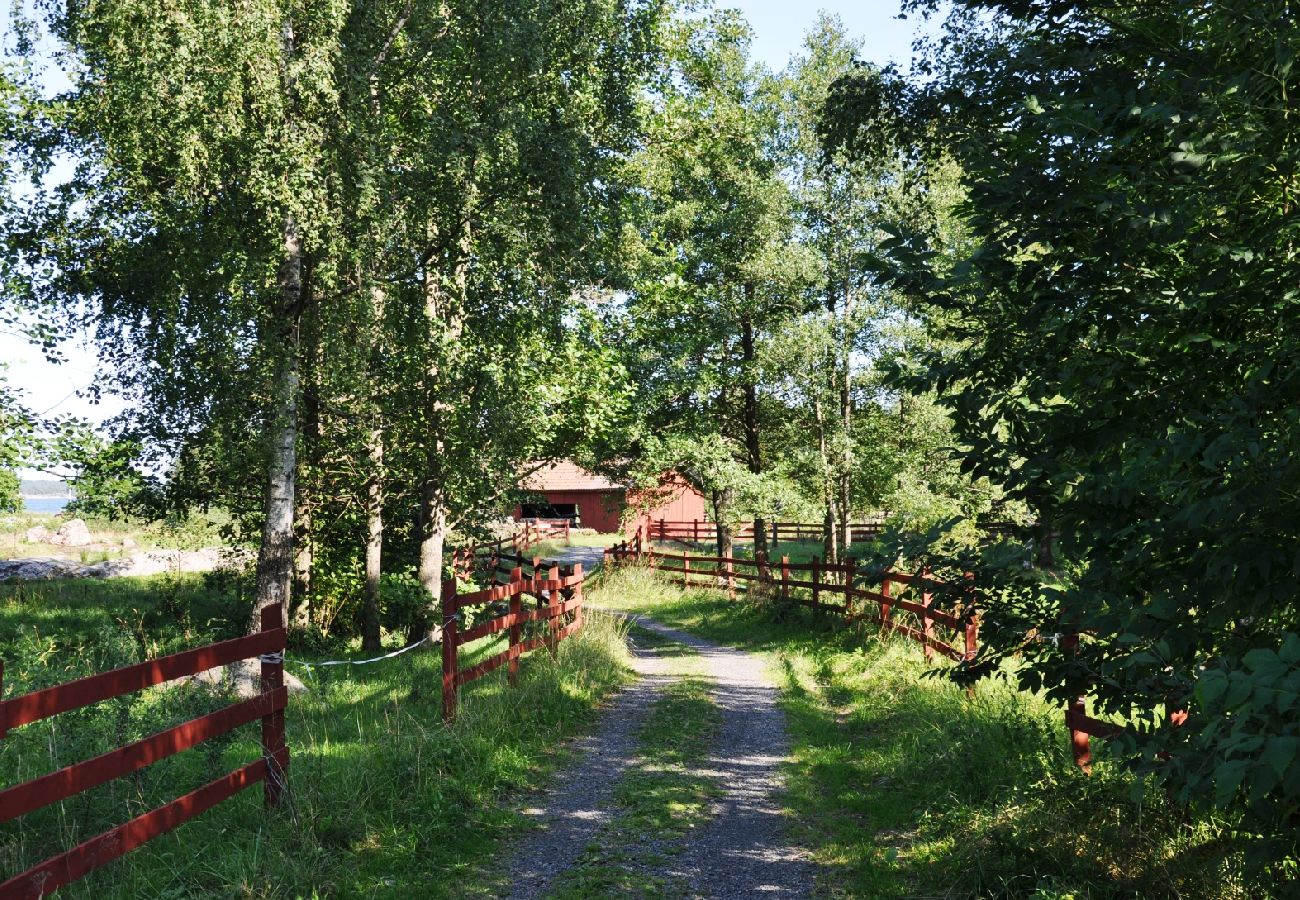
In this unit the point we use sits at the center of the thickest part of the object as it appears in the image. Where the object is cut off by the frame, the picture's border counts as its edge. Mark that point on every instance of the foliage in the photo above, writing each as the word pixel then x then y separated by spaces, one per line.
pixel 19 441
pixel 1122 362
pixel 102 475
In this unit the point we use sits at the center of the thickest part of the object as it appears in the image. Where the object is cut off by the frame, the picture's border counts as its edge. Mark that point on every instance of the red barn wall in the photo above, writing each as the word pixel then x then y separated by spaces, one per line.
pixel 686 505
pixel 603 509
pixel 600 510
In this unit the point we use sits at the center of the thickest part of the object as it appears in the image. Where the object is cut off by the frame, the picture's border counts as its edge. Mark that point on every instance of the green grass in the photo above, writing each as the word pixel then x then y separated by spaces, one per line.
pixel 904 787
pixel 661 800
pixel 385 800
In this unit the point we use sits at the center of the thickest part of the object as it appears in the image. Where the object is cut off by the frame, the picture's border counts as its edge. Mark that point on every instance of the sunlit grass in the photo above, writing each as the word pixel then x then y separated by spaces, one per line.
pixel 904 786
pixel 385 799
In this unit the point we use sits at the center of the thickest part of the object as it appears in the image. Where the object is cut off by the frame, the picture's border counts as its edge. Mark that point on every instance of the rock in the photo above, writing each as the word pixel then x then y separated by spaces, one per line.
pixel 38 535
pixel 155 562
pixel 72 533
pixel 128 543
pixel 244 678
pixel 37 568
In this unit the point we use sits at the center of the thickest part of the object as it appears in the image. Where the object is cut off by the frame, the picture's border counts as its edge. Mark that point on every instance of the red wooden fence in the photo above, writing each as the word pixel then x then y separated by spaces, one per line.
pixel 529 535
pixel 783 576
pixel 20 799
pixel 700 530
pixel 562 613
pixel 833 588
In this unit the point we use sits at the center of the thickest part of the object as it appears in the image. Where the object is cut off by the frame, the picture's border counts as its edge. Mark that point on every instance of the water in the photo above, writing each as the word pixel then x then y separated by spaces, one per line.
pixel 45 504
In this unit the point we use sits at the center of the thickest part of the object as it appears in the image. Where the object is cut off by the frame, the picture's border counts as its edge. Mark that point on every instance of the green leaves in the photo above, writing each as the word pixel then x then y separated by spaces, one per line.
pixel 1131 178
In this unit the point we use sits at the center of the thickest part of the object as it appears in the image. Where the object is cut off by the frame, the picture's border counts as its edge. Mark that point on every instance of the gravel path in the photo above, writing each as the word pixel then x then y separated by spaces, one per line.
pixel 743 850
pixel 573 813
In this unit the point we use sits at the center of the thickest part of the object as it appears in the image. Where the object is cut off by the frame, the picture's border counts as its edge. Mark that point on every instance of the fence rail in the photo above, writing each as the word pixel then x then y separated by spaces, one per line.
pixel 911 595
pixel 561 616
pixel 523 539
pixel 904 603
pixel 700 530
pixel 38 793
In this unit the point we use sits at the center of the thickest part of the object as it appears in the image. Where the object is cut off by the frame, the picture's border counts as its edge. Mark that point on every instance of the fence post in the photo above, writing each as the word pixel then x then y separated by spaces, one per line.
pixel 886 608
pixel 971 645
pixel 850 567
pixel 516 610
pixel 927 627
pixel 568 541
pixel 731 587
pixel 578 595
pixel 1075 712
pixel 776 533
pixel 686 565
pixel 449 661
pixel 817 583
pixel 553 604
pixel 273 747
pixel 785 578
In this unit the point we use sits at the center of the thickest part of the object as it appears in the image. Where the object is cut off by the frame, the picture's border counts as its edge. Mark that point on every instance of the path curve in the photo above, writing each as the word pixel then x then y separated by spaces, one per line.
pixel 744 850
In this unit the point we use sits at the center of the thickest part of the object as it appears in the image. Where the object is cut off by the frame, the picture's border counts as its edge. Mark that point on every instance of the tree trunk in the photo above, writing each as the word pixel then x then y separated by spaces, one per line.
pixel 444 311
pixel 721 502
pixel 753 449
pixel 830 552
pixel 275 558
pixel 304 539
pixel 371 640
pixel 371 637
pixel 846 424
pixel 433 527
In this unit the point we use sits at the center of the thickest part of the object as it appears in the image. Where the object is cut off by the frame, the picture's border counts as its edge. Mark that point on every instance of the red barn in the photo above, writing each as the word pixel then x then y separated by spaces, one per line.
pixel 593 501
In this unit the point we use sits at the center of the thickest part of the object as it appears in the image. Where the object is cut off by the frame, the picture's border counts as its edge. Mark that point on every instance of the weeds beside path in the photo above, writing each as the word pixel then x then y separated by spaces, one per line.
pixel 901 786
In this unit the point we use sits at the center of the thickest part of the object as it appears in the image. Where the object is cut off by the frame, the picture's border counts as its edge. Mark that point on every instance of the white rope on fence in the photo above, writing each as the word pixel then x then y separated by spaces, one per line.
pixel 362 662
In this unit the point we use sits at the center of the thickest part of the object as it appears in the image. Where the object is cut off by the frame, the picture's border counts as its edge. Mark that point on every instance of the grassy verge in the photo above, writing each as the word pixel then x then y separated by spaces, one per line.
pixel 662 798
pixel 905 787
pixel 385 800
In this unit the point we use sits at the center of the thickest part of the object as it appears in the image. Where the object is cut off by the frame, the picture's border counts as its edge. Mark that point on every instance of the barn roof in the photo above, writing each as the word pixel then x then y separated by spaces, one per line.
pixel 565 476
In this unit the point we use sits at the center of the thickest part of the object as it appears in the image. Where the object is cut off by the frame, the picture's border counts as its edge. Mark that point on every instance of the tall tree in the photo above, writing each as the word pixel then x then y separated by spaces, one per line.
pixel 1126 335
pixel 715 263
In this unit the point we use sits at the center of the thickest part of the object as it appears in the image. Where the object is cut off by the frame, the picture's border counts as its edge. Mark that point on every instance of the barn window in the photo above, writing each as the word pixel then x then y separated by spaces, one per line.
pixel 551 511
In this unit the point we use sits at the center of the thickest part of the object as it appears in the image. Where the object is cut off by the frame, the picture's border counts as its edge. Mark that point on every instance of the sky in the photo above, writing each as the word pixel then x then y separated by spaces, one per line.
pixel 779 27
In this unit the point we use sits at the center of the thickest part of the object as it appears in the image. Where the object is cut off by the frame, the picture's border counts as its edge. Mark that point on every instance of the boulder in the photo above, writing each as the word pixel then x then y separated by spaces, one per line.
pixel 37 568
pixel 72 533
pixel 39 535
pixel 128 543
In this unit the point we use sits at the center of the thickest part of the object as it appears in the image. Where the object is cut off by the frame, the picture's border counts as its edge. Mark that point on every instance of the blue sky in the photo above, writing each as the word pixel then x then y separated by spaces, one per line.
pixel 779 28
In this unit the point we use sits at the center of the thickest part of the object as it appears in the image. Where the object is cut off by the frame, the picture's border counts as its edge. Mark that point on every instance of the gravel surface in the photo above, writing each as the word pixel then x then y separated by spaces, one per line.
pixel 744 850
pixel 572 814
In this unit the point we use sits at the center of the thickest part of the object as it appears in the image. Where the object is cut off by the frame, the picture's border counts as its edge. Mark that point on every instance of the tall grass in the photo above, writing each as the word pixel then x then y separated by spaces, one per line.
pixel 904 786
pixel 385 800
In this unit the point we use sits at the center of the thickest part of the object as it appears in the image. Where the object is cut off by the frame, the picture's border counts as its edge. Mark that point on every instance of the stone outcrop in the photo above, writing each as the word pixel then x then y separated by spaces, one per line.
pixel 72 533
pixel 154 562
